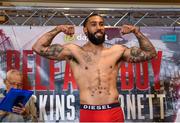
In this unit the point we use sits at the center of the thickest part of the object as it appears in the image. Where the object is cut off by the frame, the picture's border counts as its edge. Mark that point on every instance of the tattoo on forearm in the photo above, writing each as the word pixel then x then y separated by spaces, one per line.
pixel 144 43
pixel 53 50
pixel 54 31
pixel 50 36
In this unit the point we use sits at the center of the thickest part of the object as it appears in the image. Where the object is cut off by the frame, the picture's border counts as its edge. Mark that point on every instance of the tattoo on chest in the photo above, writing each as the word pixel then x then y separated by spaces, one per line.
pixel 87 58
pixel 52 50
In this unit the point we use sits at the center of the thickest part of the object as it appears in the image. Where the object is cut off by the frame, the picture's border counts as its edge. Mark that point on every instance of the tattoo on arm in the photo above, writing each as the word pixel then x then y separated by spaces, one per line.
pixel 137 55
pixel 145 52
pixel 144 43
pixel 53 50
pixel 54 31
pixel 50 36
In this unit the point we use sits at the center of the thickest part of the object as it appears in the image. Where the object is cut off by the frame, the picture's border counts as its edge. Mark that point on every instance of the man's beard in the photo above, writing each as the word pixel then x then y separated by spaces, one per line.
pixel 94 39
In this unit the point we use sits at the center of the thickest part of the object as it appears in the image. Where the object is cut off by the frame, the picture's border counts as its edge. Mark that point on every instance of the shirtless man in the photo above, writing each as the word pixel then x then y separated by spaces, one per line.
pixel 95 67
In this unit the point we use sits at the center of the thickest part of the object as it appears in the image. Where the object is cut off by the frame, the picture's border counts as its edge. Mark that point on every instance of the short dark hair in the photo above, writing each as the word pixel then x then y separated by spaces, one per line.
pixel 86 20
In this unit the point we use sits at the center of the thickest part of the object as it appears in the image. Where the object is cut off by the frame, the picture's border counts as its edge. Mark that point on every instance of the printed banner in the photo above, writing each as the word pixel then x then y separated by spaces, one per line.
pixel 148 91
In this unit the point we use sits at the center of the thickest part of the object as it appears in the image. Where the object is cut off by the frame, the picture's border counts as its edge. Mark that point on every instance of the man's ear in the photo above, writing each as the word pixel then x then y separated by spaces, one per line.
pixel 5 81
pixel 85 30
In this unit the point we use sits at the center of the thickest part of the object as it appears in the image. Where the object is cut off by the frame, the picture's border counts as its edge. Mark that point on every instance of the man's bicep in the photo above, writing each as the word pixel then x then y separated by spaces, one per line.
pixel 55 52
pixel 135 54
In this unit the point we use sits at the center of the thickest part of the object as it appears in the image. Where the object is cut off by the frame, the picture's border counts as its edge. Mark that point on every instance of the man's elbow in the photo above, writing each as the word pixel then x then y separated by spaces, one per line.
pixel 153 54
pixel 35 48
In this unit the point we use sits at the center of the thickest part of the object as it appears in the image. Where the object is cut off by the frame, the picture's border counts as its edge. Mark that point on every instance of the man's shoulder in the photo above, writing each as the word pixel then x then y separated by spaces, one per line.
pixel 118 47
pixel 72 46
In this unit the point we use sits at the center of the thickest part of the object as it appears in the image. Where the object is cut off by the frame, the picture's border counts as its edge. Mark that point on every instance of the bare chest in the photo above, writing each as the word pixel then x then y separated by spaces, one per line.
pixel 98 60
pixel 92 65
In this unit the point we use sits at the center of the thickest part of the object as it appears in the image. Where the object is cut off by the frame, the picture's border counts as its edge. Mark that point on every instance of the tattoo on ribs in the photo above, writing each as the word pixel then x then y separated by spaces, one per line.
pixel 52 50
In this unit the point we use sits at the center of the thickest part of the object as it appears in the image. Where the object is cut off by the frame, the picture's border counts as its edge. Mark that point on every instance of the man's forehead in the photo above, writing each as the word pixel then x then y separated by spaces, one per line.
pixel 15 78
pixel 95 19
pixel 13 75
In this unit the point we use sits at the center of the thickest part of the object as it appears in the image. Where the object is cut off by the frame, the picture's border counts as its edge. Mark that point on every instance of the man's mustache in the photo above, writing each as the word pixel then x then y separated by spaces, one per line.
pixel 98 32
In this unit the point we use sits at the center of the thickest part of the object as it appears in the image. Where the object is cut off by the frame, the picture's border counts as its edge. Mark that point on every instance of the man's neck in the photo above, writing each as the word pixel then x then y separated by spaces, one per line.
pixel 95 49
pixel 91 46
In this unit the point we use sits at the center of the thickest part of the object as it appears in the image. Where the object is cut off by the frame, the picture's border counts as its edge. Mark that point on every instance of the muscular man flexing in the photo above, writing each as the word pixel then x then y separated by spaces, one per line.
pixel 94 66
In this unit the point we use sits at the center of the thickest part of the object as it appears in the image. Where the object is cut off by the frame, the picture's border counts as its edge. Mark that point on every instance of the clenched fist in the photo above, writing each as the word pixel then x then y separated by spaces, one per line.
pixel 67 29
pixel 125 29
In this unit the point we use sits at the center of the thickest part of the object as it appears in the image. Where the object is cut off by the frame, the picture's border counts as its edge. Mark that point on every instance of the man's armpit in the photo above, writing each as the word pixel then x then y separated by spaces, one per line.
pixel 52 51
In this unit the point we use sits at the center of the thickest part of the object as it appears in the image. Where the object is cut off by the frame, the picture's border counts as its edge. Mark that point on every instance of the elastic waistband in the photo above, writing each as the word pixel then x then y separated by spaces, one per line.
pixel 99 107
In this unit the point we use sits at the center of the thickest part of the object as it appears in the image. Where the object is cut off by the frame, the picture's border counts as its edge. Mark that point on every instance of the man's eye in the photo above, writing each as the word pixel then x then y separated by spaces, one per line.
pixel 101 24
pixel 93 24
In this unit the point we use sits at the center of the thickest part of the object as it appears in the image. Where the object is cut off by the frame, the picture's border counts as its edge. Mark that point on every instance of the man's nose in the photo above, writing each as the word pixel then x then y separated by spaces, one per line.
pixel 15 86
pixel 98 26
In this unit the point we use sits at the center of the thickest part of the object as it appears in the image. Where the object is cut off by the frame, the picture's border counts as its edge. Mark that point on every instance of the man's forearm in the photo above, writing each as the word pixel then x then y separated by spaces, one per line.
pixel 49 36
pixel 45 40
pixel 145 44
